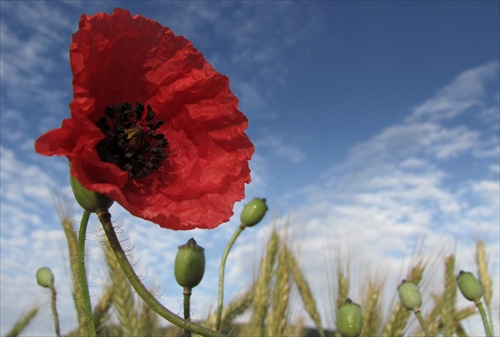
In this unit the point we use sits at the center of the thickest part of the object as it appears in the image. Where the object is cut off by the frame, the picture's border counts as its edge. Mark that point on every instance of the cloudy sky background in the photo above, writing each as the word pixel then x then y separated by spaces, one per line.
pixel 376 129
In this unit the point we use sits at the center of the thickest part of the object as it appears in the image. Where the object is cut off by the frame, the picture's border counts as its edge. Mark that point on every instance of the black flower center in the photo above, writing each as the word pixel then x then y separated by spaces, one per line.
pixel 132 141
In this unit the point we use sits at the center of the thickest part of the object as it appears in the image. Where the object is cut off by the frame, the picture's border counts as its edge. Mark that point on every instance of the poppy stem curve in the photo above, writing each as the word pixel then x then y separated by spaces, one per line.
pixel 142 291
pixel 82 275
pixel 230 244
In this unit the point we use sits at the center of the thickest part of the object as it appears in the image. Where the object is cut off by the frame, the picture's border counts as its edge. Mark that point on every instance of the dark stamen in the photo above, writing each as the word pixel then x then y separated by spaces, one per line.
pixel 131 142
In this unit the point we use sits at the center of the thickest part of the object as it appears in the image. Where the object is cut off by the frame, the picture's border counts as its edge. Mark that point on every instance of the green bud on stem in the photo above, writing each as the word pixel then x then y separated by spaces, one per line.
pixel 189 266
pixel 88 200
pixel 350 319
pixel 253 212
pixel 44 277
pixel 469 286
pixel 410 296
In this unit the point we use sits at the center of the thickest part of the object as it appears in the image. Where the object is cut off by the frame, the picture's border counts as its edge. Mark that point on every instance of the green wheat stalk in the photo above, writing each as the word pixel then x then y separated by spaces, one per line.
pixel 432 319
pixel 371 309
pixel 22 323
pixel 233 309
pixel 450 292
pixel 261 293
pixel 462 315
pixel 343 289
pixel 485 279
pixel 305 292
pixel 123 297
pixel 237 307
pixel 72 240
pixel 484 276
pixel 148 323
pixel 101 313
pixel 281 297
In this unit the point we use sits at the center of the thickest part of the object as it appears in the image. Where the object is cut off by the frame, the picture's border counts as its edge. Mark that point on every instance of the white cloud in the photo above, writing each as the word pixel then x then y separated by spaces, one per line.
pixel 392 191
pixel 494 168
pixel 31 73
pixel 279 149
pixel 258 39
pixel 465 92
pixel 18 186
pixel 401 187
pixel 27 46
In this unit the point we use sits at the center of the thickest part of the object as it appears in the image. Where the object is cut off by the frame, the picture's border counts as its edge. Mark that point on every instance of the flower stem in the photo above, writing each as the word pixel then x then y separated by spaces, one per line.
pixel 487 329
pixel 187 308
pixel 82 275
pixel 221 275
pixel 141 290
pixel 422 323
pixel 54 311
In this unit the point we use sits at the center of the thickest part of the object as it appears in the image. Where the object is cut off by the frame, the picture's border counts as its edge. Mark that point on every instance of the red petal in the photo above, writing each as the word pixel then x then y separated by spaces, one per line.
pixel 124 58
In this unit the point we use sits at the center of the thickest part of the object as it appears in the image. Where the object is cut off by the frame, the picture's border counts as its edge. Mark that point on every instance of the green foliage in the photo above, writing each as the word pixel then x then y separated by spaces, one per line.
pixel 281 297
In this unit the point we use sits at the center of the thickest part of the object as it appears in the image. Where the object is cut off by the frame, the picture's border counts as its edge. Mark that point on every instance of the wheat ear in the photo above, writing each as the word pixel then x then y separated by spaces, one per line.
pixel 305 292
pixel 123 297
pixel 450 291
pixel 22 323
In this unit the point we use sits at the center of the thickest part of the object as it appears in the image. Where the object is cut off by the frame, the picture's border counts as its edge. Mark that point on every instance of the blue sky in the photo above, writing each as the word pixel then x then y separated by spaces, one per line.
pixel 375 123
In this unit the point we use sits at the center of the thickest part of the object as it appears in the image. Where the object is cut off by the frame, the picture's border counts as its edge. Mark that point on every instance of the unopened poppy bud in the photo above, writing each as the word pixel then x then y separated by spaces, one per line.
pixel 469 286
pixel 253 212
pixel 44 277
pixel 88 200
pixel 350 319
pixel 189 266
pixel 410 296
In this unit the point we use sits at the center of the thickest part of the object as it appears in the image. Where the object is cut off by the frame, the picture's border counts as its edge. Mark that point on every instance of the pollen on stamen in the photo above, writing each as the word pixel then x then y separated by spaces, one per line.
pixel 131 142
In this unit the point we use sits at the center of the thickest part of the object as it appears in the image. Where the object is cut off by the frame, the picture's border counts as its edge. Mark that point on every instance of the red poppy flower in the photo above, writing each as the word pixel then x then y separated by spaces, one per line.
pixel 153 126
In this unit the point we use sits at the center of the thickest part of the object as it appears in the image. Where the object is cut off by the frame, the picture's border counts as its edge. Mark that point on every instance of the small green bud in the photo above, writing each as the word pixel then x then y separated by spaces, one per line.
pixel 44 277
pixel 189 266
pixel 469 286
pixel 253 212
pixel 410 296
pixel 350 319
pixel 88 200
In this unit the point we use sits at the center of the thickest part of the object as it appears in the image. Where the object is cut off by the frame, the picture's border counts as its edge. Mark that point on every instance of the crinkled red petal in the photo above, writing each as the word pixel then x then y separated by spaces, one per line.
pixel 124 58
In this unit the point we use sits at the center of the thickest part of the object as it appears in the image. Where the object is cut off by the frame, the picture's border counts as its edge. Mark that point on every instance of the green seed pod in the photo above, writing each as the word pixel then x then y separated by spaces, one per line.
pixel 88 200
pixel 469 286
pixel 253 212
pixel 350 319
pixel 189 266
pixel 410 296
pixel 44 277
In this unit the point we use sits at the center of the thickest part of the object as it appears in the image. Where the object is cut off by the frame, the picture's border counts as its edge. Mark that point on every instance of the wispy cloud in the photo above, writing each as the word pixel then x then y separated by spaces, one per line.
pixel 279 149
pixel 34 43
pixel 258 43
pixel 431 176
pixel 27 54
pixel 421 179
pixel 465 92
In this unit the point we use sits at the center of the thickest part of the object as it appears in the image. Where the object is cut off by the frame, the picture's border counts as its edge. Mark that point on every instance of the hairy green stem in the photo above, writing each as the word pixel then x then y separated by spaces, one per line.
pixel 487 329
pixel 72 240
pixel 422 323
pixel 82 275
pixel 230 244
pixel 187 308
pixel 54 311
pixel 142 291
